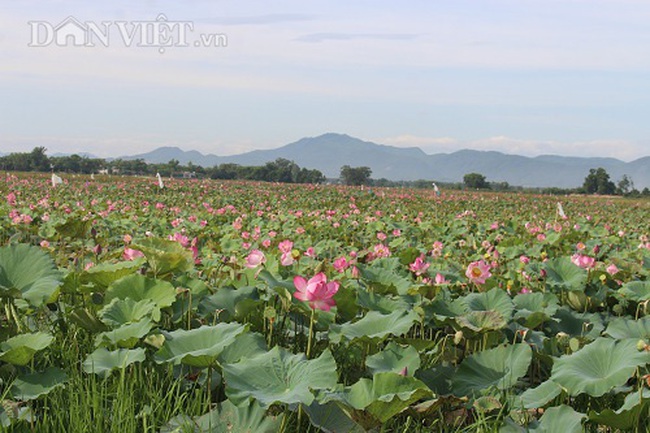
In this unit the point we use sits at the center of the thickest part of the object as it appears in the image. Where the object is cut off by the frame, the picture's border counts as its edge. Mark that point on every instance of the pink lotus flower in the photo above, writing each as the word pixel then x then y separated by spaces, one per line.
pixel 419 266
pixel 131 254
pixel 583 261
pixel 255 259
pixel 612 269
pixel 440 279
pixel 478 272
pixel 341 264
pixel 287 259
pixel 285 246
pixel 310 252
pixel 317 291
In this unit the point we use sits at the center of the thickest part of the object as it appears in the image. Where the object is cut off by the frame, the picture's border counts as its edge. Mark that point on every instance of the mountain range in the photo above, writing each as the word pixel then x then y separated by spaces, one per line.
pixel 329 152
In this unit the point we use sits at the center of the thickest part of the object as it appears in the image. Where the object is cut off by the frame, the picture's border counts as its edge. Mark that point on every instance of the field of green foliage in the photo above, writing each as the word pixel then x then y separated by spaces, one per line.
pixel 209 306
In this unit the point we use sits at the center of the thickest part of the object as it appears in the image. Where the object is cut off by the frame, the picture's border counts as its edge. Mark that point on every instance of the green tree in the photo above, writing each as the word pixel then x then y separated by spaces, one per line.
pixel 475 181
pixel 625 185
pixel 597 182
pixel 39 160
pixel 355 175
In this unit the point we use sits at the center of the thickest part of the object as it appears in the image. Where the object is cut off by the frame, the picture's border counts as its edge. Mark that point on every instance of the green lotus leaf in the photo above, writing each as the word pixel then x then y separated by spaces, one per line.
pixel 560 419
pixel 32 386
pixel 86 319
pixel 138 287
pixel 102 362
pixel 123 311
pixel 329 417
pixel 636 290
pixel 626 417
pixel 598 367
pixel 621 328
pixel 535 308
pixel 226 418
pixel 278 376
pixel 499 367
pixel 383 274
pixel 563 274
pixel 438 378
pixel 394 358
pixel 494 300
pixel 104 274
pixel 478 321
pixel 29 273
pixel 537 397
pixel 20 350
pixel 374 326
pixel 577 324
pixel 165 256
pixel 198 347
pixel 126 336
pixel 376 302
pixel 74 228
pixel 248 345
pixel 225 301
pixel 373 402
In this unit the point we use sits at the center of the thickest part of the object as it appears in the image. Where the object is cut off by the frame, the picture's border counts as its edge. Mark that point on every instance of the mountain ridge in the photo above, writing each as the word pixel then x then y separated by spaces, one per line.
pixel 329 152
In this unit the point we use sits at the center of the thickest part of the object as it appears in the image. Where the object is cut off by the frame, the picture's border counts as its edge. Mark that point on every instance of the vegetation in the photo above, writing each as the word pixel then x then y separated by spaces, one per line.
pixel 246 306
pixel 475 181
pixel 355 175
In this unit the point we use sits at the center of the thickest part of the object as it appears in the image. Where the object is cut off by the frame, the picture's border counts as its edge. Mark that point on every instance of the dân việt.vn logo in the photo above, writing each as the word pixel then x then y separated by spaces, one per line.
pixel 160 33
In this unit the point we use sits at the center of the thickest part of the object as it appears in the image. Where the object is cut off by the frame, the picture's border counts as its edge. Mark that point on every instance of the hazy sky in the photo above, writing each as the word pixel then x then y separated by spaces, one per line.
pixel 567 77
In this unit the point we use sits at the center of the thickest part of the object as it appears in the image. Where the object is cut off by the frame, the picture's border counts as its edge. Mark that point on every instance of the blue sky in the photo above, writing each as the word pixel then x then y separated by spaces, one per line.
pixel 529 77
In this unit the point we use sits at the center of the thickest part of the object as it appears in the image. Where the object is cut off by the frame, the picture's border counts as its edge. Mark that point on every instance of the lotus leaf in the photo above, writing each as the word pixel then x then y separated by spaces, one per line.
pixel 374 326
pixel 138 287
pixel 394 358
pixel 562 274
pixel 165 256
pixel 599 366
pixel 278 376
pixel 102 362
pixel 383 397
pixel 20 350
pixel 226 418
pixel 123 311
pixel 499 367
pixel 198 347
pixel 29 273
pixel 32 386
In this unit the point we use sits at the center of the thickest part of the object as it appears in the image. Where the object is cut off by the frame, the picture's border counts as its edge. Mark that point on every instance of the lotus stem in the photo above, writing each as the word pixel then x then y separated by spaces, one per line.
pixel 311 331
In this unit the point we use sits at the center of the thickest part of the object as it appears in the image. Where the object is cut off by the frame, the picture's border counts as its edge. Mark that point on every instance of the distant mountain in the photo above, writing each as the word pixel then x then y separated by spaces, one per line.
pixel 165 154
pixel 328 152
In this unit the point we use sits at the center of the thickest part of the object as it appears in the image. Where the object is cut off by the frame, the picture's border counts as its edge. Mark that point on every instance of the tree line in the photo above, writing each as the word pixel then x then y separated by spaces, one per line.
pixel 280 170
pixel 283 170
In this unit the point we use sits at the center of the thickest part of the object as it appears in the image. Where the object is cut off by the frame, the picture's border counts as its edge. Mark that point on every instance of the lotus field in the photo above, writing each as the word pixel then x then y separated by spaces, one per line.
pixel 209 306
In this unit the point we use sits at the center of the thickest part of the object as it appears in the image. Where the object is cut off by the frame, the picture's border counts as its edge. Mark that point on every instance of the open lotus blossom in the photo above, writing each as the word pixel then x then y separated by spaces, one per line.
pixel 478 272
pixel 255 259
pixel 612 269
pixel 285 246
pixel 341 264
pixel 317 291
pixel 287 259
pixel 583 261
pixel 131 254
pixel 440 279
pixel 419 266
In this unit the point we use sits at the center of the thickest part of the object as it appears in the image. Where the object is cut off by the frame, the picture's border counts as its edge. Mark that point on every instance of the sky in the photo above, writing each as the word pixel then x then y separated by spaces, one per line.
pixel 526 77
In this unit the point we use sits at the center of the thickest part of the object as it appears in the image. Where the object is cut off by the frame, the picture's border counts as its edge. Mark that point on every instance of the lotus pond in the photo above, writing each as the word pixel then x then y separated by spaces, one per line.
pixel 249 307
